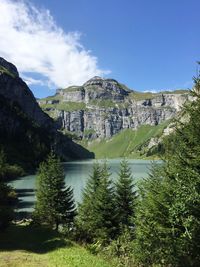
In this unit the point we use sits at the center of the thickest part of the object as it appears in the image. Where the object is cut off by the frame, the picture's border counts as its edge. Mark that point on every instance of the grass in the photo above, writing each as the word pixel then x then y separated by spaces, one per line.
pixel 4 70
pixel 30 246
pixel 137 96
pixel 71 106
pixel 126 143
pixel 103 103
pixel 66 106
pixel 178 91
pixel 124 87
pixel 53 97
pixel 73 88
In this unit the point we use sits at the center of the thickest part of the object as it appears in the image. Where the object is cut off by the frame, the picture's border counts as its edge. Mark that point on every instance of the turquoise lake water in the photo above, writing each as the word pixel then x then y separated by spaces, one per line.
pixel 76 175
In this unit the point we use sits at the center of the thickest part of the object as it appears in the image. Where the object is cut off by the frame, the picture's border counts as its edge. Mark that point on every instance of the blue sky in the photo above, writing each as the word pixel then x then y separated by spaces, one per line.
pixel 147 45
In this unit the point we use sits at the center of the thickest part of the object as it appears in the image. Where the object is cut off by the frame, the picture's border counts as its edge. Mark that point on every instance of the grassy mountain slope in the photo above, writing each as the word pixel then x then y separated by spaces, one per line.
pixel 128 143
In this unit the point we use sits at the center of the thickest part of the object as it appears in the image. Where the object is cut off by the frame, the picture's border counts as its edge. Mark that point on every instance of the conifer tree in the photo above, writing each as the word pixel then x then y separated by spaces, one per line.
pixel 7 199
pixel 168 214
pixel 125 196
pixel 154 233
pixel 86 219
pixel 7 195
pixel 105 210
pixel 55 204
pixel 96 217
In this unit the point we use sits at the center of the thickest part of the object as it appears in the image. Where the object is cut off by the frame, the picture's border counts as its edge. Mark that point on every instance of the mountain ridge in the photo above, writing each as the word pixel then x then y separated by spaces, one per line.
pixel 104 107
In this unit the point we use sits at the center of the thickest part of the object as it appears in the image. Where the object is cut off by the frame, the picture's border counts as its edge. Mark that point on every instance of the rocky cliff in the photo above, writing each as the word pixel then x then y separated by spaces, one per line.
pixel 102 108
pixel 16 92
pixel 26 132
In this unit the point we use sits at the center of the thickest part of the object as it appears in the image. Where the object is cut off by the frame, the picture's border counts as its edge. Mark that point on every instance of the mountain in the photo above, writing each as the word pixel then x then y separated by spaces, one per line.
pixel 27 133
pixel 101 109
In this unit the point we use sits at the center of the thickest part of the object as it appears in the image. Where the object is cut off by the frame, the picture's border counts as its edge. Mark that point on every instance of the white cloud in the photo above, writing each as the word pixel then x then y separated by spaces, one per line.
pixel 151 91
pixel 32 41
pixel 32 81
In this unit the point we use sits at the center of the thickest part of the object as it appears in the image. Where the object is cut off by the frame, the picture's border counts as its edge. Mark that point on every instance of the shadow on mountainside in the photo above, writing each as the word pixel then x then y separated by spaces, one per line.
pixel 31 238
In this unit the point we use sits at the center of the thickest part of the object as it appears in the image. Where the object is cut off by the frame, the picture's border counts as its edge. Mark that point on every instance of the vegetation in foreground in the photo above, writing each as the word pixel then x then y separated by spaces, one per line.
pixel 161 226
pixel 55 204
pixel 8 197
pixel 33 246
pixel 168 211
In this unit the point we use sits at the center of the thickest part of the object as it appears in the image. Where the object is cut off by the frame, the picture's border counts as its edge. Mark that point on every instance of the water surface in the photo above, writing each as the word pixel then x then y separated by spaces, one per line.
pixel 76 175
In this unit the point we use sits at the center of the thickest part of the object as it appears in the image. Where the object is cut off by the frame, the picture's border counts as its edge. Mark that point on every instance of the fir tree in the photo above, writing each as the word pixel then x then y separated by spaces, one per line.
pixel 7 195
pixel 154 231
pixel 96 217
pixel 168 214
pixel 125 196
pixel 104 208
pixel 86 219
pixel 7 201
pixel 55 203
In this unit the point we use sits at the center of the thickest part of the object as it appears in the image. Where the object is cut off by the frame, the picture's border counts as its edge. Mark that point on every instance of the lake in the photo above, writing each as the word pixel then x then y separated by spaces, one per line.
pixel 76 175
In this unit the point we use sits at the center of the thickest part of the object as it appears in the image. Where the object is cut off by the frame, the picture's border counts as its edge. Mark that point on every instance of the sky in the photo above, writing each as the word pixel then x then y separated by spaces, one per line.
pixel 149 45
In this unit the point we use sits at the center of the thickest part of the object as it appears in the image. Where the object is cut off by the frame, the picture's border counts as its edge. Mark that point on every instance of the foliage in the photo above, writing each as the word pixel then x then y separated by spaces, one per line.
pixel 97 216
pixel 85 219
pixel 168 213
pixel 121 250
pixel 154 232
pixel 125 197
pixel 105 212
pixel 7 195
pixel 55 204
pixel 7 171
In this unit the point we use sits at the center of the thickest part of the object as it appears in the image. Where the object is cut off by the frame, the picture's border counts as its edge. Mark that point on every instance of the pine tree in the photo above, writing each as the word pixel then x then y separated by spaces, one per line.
pixel 7 195
pixel 168 214
pixel 7 201
pixel 154 231
pixel 125 196
pixel 96 216
pixel 86 220
pixel 3 164
pixel 104 208
pixel 55 204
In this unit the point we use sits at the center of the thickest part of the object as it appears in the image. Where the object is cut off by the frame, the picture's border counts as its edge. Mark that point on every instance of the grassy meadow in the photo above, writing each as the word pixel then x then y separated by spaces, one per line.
pixel 31 246
pixel 128 143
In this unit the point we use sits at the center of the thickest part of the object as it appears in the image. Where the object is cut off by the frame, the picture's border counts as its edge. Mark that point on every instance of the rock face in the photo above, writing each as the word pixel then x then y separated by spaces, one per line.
pixel 103 107
pixel 26 132
pixel 15 90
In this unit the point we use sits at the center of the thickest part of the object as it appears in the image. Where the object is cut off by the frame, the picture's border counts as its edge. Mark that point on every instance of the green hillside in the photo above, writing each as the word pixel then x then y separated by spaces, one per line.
pixel 128 143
